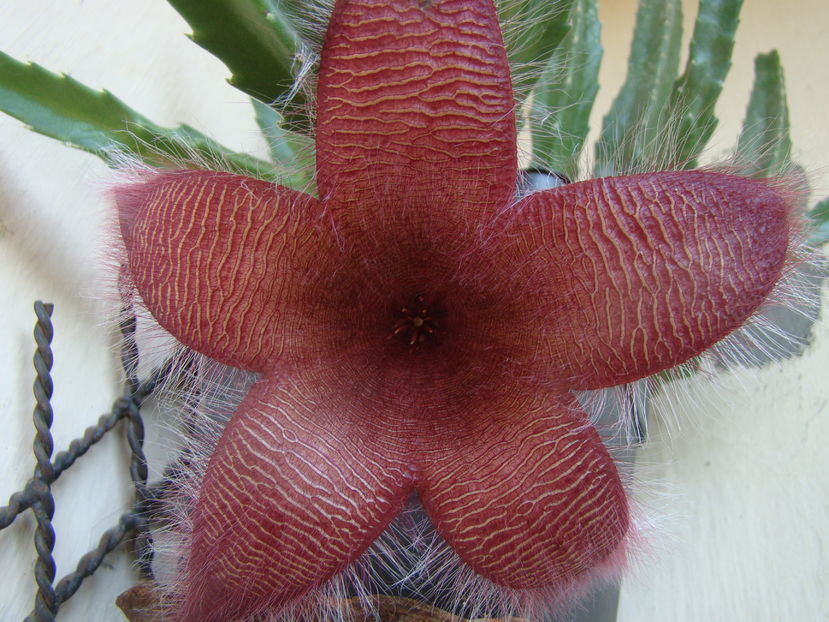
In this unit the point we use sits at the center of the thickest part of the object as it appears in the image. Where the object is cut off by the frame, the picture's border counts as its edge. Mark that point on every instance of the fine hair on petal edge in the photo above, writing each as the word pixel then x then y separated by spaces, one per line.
pixel 410 549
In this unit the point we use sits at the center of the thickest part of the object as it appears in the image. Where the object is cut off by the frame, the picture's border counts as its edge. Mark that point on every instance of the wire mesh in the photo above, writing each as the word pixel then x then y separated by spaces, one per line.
pixel 37 496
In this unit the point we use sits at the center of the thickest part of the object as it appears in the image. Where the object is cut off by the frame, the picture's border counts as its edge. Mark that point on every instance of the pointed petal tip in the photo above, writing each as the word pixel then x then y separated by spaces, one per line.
pixel 128 197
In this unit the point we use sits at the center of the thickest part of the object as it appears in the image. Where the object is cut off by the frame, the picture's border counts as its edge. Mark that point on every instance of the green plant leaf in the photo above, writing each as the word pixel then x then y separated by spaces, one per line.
pixel 764 144
pixel 60 107
pixel 565 92
pixel 696 92
pixel 291 152
pixel 255 40
pixel 533 29
pixel 631 132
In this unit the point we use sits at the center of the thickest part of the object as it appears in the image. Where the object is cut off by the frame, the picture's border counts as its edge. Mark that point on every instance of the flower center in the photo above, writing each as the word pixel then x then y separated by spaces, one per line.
pixel 417 322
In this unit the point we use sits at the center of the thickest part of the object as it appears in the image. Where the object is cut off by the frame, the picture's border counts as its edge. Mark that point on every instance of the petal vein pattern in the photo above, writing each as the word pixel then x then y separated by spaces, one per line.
pixel 216 258
pixel 532 499
pixel 418 96
pixel 632 275
pixel 315 489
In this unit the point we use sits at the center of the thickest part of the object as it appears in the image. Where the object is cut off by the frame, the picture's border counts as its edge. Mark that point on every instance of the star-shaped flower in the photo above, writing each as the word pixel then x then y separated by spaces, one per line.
pixel 418 329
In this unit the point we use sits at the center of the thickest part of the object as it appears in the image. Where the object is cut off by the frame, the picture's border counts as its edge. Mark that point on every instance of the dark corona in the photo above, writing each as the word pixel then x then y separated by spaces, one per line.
pixel 417 323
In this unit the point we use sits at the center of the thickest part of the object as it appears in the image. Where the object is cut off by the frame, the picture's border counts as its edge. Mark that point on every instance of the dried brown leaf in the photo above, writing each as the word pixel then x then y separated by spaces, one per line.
pixel 142 603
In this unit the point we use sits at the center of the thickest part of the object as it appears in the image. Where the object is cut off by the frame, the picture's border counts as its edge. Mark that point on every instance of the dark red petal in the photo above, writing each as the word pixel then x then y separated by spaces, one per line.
pixel 415 109
pixel 298 487
pixel 527 494
pixel 215 258
pixel 632 275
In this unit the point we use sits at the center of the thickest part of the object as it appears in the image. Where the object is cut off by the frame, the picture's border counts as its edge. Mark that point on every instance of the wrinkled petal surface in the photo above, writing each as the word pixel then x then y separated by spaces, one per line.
pixel 298 487
pixel 218 259
pixel 415 109
pixel 525 491
pixel 632 275
pixel 417 330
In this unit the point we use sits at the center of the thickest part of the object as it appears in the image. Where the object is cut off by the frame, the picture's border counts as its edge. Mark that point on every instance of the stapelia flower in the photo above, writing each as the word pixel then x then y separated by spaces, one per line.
pixel 418 329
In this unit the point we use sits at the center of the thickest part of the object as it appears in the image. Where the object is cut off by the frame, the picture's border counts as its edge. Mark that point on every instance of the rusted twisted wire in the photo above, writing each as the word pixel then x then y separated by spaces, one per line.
pixel 37 492
pixel 135 438
pixel 44 505
pixel 24 499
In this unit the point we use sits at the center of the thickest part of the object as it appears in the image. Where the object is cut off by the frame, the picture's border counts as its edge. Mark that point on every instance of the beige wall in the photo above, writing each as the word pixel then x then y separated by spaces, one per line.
pixel 737 473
